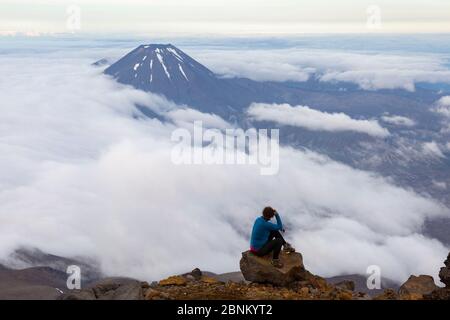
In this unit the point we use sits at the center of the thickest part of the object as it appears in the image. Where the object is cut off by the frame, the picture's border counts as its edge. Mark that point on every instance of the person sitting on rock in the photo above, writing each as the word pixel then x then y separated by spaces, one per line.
pixel 266 237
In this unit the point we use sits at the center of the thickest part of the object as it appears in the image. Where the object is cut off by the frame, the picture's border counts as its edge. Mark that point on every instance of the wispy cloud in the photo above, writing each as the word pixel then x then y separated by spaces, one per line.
pixel 185 117
pixel 398 120
pixel 443 106
pixel 432 149
pixel 305 117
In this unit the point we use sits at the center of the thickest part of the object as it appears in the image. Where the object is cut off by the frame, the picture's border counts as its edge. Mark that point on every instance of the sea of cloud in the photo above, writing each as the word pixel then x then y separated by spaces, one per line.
pixel 398 120
pixel 370 70
pixel 82 173
pixel 304 116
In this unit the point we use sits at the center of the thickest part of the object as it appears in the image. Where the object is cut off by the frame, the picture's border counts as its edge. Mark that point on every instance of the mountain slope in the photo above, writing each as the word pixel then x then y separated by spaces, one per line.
pixel 166 70
pixel 31 283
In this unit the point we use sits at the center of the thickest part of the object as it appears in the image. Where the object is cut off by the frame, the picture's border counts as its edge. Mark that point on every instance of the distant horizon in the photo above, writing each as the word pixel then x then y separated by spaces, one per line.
pixel 436 43
pixel 25 34
pixel 250 17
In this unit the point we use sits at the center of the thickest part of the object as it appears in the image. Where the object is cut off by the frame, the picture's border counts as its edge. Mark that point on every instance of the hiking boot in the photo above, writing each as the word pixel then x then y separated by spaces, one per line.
pixel 287 248
pixel 277 263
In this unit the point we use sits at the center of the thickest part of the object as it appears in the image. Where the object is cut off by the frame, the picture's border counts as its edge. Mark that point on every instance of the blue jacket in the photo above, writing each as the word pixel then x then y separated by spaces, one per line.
pixel 261 231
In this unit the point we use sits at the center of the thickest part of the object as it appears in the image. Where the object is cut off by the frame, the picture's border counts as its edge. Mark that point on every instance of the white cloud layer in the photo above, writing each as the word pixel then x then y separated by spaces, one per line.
pixel 444 101
pixel 368 70
pixel 443 106
pixel 305 117
pixel 432 149
pixel 185 117
pixel 398 120
pixel 80 176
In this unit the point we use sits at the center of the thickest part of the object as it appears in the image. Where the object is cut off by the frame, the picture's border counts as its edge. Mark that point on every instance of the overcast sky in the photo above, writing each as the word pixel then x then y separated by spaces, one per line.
pixel 226 16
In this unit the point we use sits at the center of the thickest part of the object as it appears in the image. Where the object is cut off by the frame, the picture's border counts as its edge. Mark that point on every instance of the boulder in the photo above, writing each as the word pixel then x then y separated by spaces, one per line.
pixel 87 294
pixel 197 274
pixel 420 285
pixel 194 275
pixel 132 291
pixel 109 289
pixel 260 270
pixel 118 289
pixel 444 273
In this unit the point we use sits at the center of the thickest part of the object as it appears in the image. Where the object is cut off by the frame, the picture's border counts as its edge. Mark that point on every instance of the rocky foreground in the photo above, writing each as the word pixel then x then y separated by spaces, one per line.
pixel 262 281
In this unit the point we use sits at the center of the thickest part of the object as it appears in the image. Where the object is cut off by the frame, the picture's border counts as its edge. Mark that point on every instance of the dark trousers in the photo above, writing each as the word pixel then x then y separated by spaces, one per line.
pixel 273 244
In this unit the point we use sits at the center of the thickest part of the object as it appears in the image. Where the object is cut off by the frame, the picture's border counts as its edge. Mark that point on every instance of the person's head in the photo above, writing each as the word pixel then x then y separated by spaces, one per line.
pixel 268 213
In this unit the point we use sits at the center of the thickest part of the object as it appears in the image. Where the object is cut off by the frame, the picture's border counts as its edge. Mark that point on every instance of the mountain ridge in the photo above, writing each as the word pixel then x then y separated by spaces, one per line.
pixel 165 69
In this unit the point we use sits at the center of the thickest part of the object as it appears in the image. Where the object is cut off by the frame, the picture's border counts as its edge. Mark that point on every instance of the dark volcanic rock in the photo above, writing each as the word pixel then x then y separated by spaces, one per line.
pixel 260 270
pixel 131 291
pixel 87 294
pixel 444 273
pixel 442 293
pixel 360 282
pixel 195 274
pixel 109 289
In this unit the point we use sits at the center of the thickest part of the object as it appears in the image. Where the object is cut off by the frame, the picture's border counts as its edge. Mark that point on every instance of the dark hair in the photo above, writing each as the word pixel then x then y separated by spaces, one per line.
pixel 268 213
